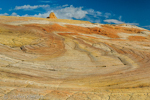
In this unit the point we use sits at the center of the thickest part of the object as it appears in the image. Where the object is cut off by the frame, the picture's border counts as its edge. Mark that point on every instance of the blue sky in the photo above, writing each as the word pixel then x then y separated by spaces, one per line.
pixel 135 12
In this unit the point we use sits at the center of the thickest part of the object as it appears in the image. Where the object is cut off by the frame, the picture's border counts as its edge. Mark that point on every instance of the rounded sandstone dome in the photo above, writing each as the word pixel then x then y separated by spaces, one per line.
pixel 52 15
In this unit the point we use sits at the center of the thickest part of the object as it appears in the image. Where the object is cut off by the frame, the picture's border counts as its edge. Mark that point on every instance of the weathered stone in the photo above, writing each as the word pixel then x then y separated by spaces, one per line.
pixel 43 59
pixel 52 15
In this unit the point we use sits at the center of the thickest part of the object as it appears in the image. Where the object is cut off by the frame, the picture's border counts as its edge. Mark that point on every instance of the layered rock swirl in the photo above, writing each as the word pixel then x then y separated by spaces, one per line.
pixel 56 59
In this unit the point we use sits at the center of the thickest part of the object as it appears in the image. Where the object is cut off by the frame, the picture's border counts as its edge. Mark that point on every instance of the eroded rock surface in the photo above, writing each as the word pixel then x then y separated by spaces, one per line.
pixel 72 60
pixel 52 15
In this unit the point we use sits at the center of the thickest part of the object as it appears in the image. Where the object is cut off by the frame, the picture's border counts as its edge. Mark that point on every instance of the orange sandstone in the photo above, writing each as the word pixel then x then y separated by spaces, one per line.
pixel 52 15
pixel 70 62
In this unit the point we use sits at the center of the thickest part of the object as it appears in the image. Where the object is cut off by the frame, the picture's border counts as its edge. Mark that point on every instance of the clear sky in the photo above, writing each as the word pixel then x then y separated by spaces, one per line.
pixel 136 12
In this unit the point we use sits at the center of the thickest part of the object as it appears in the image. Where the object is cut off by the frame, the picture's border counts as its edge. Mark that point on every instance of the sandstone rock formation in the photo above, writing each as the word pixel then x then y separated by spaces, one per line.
pixel 43 59
pixel 52 15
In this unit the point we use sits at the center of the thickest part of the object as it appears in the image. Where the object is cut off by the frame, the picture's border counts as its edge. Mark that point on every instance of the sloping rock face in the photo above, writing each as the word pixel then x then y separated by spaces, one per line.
pixel 51 60
pixel 52 15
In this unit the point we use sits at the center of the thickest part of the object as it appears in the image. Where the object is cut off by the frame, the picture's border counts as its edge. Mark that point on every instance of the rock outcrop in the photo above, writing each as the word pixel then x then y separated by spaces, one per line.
pixel 52 15
pixel 43 59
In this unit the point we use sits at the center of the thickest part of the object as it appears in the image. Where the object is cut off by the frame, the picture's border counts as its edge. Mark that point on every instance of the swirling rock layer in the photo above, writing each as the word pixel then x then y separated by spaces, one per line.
pixel 50 59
